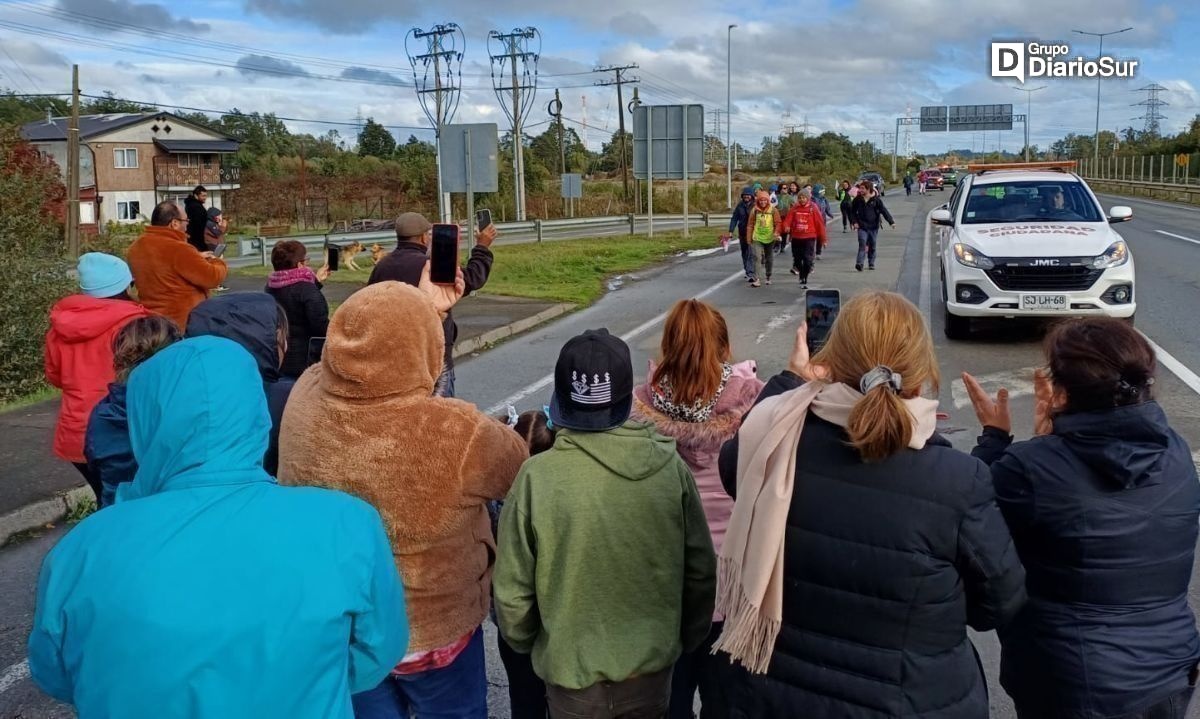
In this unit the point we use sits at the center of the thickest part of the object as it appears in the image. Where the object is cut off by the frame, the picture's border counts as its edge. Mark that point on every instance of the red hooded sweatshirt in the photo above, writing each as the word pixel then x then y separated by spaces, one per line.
pixel 805 221
pixel 79 360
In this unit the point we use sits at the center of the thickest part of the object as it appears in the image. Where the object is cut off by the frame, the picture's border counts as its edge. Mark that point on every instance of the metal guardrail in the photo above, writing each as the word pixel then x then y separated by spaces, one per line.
pixel 1169 191
pixel 532 231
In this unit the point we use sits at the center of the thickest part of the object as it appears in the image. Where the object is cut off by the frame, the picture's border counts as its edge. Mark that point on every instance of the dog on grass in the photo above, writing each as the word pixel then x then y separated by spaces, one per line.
pixel 377 253
pixel 350 252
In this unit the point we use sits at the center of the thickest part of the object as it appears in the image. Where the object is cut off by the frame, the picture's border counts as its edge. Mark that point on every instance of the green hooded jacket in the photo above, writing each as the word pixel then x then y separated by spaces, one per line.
pixel 605 567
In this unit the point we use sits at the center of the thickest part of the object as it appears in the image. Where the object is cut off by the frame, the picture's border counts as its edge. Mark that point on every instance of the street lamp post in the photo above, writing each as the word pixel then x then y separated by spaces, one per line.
pixel 1100 35
pixel 1028 112
pixel 729 116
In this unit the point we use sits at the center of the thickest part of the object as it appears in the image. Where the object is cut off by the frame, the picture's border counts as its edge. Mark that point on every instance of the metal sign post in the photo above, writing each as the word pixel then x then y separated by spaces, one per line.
pixel 685 178
pixel 673 151
pixel 470 161
pixel 650 174
pixel 470 191
pixel 572 188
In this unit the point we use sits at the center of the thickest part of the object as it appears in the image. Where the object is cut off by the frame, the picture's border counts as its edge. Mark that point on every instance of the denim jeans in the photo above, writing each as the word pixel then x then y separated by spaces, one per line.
pixel 747 259
pixel 645 697
pixel 458 691
pixel 444 387
pixel 866 246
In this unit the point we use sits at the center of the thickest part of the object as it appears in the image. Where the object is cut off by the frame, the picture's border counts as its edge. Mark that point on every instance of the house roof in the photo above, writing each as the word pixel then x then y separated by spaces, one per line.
pixel 93 125
pixel 205 146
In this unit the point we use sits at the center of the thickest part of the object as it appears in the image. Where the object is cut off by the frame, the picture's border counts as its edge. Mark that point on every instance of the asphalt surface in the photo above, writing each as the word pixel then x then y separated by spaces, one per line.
pixel 762 322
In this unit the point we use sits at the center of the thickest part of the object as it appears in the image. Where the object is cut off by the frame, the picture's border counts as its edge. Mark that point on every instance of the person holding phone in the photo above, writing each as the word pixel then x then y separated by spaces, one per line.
pixel 888 540
pixel 215 229
pixel 414 236
pixel 297 289
pixel 172 277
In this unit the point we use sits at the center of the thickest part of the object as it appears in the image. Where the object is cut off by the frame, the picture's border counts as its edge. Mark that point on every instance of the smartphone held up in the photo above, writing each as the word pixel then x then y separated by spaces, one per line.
pixel 443 254
pixel 821 309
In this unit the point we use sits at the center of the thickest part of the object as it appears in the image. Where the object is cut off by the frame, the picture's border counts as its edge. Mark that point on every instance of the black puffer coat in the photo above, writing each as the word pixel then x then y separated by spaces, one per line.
pixel 1104 515
pixel 885 566
pixel 308 316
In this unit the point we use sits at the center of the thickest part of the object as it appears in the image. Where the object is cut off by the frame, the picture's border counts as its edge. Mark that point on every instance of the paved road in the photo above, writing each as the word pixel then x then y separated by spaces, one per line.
pixel 761 323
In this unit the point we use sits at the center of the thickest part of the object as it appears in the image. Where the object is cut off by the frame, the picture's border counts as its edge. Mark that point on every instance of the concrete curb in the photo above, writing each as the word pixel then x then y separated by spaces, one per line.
pixel 43 512
pixel 55 509
pixel 474 344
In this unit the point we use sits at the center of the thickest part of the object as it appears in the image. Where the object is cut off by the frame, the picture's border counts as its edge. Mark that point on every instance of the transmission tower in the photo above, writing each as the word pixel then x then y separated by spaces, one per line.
pixel 514 58
pixel 620 80
pixel 909 152
pixel 436 56
pixel 1152 117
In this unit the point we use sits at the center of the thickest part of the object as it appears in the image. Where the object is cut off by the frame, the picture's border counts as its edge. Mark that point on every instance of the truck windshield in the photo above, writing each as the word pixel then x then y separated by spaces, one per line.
pixel 1032 201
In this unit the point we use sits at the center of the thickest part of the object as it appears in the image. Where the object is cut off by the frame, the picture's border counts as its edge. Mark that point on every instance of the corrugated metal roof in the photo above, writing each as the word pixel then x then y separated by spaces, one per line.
pixel 198 145
pixel 93 125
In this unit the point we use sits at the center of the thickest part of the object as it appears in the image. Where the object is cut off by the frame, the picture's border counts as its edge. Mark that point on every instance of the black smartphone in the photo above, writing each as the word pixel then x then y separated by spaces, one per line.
pixel 333 253
pixel 483 218
pixel 219 249
pixel 821 308
pixel 316 345
pixel 443 255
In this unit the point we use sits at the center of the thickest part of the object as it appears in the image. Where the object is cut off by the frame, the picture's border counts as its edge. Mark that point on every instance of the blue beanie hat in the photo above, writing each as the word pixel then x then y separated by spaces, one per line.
pixel 102 275
pixel 747 191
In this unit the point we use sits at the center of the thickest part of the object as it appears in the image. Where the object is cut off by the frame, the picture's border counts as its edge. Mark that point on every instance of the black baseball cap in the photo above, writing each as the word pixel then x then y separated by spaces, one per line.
pixel 593 383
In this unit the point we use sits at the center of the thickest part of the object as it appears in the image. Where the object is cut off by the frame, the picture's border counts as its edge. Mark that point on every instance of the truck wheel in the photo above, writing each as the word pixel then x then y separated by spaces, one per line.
pixel 955 327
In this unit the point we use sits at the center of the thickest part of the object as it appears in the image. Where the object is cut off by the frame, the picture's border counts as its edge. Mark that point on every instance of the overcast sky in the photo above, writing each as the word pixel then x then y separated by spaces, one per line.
pixel 851 67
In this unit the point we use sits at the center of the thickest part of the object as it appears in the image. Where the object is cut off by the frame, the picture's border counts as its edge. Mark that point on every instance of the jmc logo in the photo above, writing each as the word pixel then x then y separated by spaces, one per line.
pixel 1045 263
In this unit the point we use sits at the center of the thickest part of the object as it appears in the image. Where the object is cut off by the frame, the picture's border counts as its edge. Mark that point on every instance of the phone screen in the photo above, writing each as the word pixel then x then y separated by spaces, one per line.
pixel 219 249
pixel 483 218
pixel 332 254
pixel 821 308
pixel 444 255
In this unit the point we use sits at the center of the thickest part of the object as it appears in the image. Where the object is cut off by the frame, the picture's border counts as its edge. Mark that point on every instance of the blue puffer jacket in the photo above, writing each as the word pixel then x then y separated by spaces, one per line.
pixel 208 590
pixel 1104 515
pixel 251 320
pixel 106 444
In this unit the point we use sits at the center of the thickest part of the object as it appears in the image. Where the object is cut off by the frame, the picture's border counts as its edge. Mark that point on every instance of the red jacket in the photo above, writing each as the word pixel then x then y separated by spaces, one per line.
pixel 79 360
pixel 806 221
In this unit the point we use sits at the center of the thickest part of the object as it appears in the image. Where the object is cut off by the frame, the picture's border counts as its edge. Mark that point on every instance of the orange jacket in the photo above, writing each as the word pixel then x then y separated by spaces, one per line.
pixel 806 221
pixel 171 276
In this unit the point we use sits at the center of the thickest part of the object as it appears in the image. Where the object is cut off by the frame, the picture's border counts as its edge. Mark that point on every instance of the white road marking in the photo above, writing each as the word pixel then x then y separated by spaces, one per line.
pixel 1019 383
pixel 1188 377
pixel 773 324
pixel 1178 237
pixel 923 302
pixel 14 675
pixel 649 324
pixel 704 252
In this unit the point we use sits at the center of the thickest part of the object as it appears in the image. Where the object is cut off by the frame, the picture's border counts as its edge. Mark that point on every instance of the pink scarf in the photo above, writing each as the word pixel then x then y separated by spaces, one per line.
pixel 296 275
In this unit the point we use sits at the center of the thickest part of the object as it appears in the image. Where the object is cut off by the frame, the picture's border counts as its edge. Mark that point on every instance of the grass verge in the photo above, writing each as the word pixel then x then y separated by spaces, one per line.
pixel 30 399
pixel 563 270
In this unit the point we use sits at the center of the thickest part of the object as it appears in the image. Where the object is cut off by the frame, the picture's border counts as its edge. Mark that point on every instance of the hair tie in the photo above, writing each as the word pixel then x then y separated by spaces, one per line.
pixel 512 415
pixel 880 375
pixel 546 411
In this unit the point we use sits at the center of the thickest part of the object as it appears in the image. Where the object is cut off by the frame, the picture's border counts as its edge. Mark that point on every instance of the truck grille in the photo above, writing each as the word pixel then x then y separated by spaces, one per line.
pixel 1024 277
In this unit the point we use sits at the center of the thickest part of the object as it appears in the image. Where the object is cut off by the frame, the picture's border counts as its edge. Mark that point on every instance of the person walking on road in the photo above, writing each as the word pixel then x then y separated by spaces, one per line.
pixel 845 196
pixel 922 178
pixel 697 396
pixel 818 196
pixel 605 573
pixel 806 226
pixel 106 444
pixel 297 289
pixel 1108 631
pixel 79 350
pixel 414 233
pixel 197 218
pixel 208 590
pixel 172 276
pixel 765 226
pixel 740 222
pixel 255 321
pixel 867 215
pixel 366 421
pixel 908 183
pixel 862 544
pixel 787 198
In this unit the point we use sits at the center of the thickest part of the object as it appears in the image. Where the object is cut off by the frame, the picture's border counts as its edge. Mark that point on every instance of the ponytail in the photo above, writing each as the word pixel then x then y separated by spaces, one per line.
pixel 880 425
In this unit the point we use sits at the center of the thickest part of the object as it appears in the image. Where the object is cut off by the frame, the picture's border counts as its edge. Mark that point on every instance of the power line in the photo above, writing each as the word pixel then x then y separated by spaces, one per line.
pixel 619 81
pixel 21 68
pixel 1152 117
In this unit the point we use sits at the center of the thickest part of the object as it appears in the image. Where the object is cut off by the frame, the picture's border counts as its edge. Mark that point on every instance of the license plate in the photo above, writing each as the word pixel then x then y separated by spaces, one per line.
pixel 1045 303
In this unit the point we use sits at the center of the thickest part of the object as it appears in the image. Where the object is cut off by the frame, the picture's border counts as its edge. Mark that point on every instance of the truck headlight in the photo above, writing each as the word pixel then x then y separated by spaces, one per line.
pixel 971 257
pixel 1116 255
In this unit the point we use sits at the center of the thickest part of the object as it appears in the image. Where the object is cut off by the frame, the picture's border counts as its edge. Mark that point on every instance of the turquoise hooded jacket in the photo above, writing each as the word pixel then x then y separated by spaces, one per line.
pixel 208 590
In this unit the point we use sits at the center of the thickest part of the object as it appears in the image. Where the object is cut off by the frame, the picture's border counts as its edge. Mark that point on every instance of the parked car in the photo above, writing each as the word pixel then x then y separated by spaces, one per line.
pixel 876 180
pixel 1030 243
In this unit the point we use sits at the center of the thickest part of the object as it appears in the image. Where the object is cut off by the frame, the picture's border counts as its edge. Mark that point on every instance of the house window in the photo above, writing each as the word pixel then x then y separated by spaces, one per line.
pixel 128 210
pixel 125 158
pixel 189 160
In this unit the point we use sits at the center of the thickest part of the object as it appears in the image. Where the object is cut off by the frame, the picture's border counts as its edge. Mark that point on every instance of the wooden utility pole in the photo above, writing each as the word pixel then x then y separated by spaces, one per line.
pixel 619 81
pixel 73 167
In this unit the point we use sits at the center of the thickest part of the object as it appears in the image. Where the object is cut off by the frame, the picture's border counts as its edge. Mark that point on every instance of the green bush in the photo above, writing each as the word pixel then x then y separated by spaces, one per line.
pixel 37 269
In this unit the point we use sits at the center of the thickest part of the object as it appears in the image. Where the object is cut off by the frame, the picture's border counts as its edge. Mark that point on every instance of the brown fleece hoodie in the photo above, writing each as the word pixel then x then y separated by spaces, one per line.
pixel 365 421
